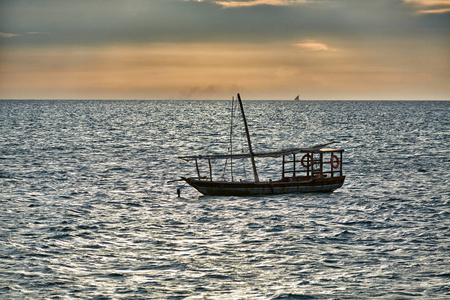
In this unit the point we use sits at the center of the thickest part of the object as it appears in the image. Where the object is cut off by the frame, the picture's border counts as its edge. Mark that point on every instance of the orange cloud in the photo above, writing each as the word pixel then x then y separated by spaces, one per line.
pixel 313 45
pixel 435 11
pixel 430 6
pixel 238 3
pixel 38 32
pixel 428 2
pixel 8 35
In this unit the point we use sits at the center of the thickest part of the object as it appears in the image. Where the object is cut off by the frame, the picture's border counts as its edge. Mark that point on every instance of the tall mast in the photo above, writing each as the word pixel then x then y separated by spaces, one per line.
pixel 252 157
pixel 231 139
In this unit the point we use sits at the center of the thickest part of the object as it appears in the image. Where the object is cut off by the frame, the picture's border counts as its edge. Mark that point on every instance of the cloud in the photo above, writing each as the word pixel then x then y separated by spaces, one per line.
pixel 435 11
pixel 428 2
pixel 108 21
pixel 249 3
pixel 430 6
pixel 8 35
pixel 36 32
pixel 313 45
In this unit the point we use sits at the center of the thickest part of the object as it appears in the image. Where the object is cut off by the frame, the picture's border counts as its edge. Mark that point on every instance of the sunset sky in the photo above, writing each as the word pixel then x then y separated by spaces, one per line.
pixel 212 49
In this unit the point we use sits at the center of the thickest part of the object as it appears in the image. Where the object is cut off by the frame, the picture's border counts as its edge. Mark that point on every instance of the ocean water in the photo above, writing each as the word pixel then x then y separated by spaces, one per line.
pixel 87 211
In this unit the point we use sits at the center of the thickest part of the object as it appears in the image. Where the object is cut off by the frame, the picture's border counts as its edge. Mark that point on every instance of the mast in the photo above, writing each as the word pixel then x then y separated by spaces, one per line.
pixel 231 139
pixel 252 156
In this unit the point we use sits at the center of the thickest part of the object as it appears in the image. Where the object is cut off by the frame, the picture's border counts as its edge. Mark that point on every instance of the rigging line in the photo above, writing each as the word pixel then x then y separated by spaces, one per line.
pixel 231 138
pixel 243 160
pixel 241 141
pixel 224 168
pixel 230 149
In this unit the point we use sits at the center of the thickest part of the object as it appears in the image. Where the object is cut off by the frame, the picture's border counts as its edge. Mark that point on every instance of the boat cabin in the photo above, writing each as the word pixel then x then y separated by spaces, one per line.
pixel 301 164
pixel 309 164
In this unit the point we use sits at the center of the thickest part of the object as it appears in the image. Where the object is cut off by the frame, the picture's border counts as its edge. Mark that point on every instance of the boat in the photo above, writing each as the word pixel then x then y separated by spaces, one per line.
pixel 303 170
pixel 297 98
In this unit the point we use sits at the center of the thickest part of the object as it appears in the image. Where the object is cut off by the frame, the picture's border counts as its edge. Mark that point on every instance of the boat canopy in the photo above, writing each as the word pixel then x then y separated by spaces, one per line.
pixel 313 149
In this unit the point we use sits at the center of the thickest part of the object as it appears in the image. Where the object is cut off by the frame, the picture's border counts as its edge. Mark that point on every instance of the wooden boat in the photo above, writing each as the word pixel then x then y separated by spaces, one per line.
pixel 297 98
pixel 303 170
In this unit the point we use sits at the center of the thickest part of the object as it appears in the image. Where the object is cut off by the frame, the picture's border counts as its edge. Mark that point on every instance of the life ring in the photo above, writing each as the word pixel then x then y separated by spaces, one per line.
pixel 308 163
pixel 334 161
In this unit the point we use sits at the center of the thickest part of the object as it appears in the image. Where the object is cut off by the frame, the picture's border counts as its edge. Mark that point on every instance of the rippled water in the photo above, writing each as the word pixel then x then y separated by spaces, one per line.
pixel 86 210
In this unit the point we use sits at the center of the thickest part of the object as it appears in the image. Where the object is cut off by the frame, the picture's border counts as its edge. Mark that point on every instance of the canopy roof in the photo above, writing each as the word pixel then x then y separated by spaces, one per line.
pixel 313 149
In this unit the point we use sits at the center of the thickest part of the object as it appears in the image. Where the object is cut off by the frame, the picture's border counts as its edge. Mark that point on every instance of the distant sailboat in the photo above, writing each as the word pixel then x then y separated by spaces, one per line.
pixel 297 98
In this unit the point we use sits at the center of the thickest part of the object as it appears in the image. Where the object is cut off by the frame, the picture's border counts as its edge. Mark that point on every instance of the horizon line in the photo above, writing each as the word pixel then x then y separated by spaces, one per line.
pixel 105 99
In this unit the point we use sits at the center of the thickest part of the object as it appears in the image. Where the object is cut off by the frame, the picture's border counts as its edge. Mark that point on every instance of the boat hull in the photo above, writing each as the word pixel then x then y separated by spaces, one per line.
pixel 224 188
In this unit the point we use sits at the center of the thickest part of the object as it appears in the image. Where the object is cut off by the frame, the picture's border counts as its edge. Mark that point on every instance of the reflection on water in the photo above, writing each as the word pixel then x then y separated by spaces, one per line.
pixel 87 211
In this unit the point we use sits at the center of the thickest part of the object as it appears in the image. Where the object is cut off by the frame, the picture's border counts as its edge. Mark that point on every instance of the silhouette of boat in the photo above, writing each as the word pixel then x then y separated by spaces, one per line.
pixel 303 170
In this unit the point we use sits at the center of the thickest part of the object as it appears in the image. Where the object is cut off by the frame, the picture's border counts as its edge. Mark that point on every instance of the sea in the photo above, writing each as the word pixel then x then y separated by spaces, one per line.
pixel 89 204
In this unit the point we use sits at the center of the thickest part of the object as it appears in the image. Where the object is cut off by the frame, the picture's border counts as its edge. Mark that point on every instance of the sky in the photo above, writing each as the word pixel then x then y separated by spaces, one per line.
pixel 213 49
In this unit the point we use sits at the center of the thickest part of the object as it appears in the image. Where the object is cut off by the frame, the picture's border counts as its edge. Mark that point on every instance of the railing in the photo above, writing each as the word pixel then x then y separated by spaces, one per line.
pixel 313 164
